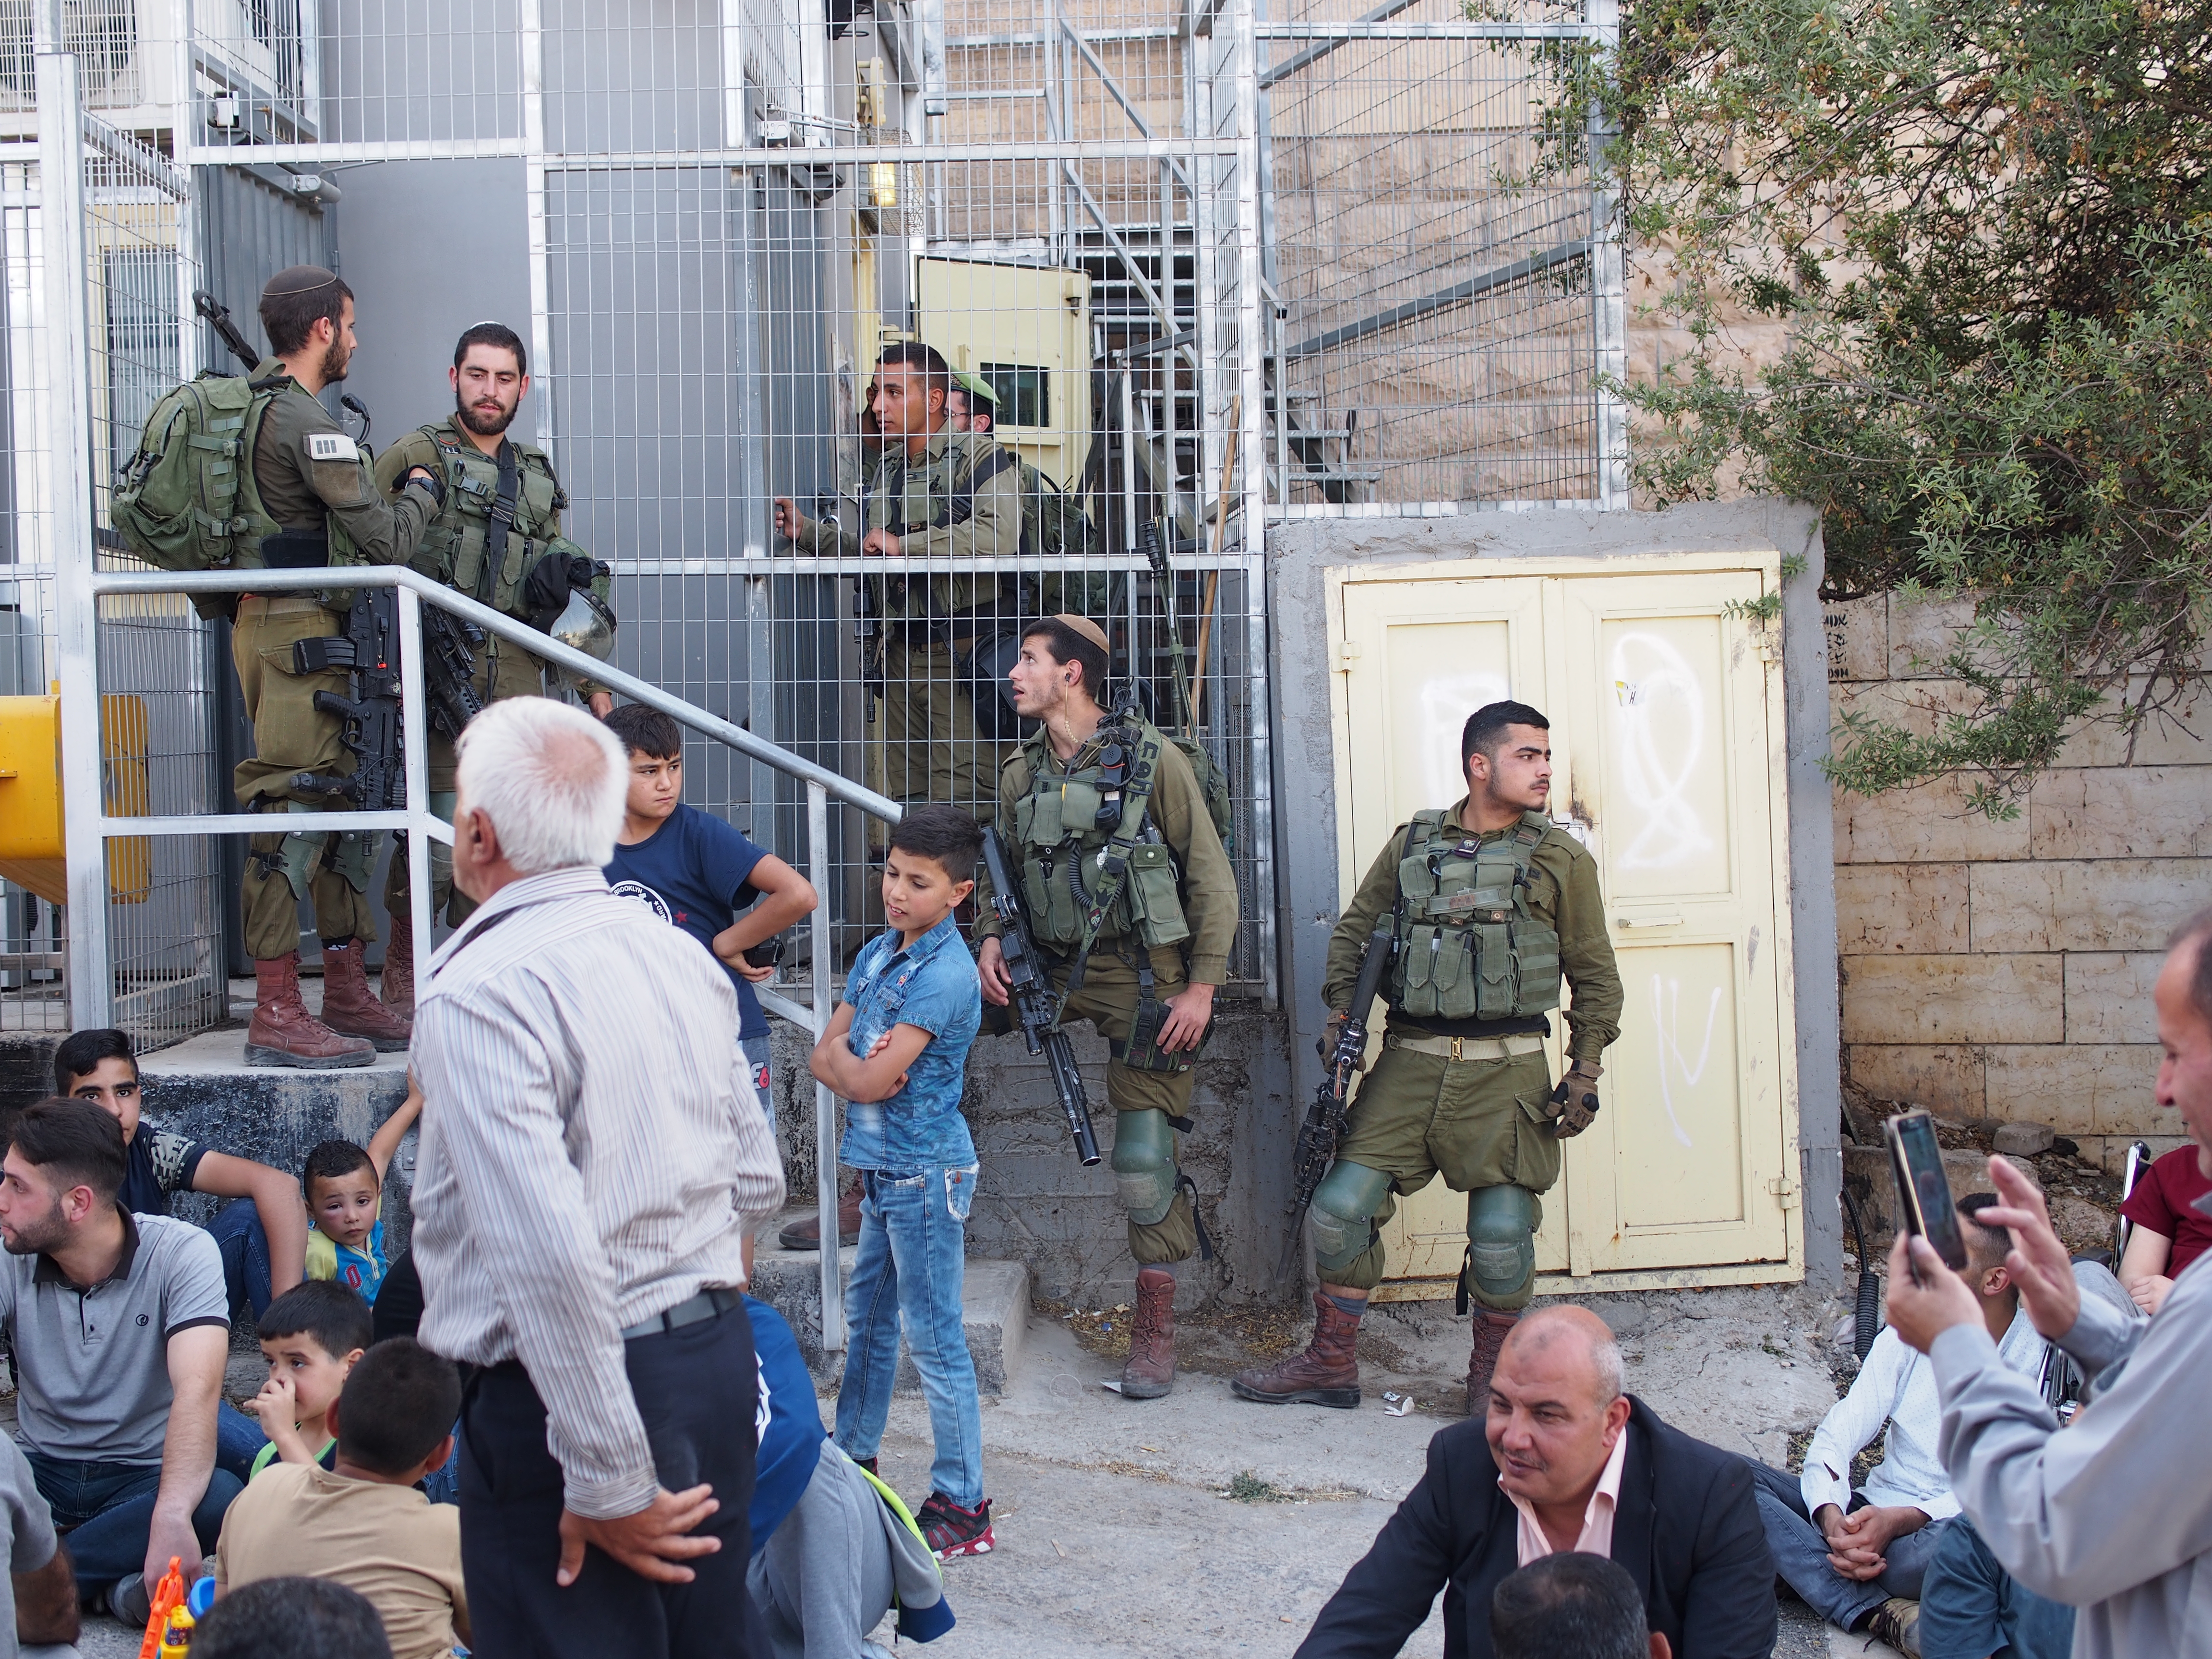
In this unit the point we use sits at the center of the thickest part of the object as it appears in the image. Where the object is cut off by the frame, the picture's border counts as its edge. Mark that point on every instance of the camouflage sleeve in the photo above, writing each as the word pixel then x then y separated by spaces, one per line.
pixel 992 529
pixel 1209 883
pixel 1586 955
pixel 1013 783
pixel 1356 925
pixel 382 529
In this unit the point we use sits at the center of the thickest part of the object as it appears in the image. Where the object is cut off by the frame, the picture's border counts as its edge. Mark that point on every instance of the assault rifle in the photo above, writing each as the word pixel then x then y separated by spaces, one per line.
pixel 1324 1122
pixel 1033 1002
pixel 368 720
pixel 218 314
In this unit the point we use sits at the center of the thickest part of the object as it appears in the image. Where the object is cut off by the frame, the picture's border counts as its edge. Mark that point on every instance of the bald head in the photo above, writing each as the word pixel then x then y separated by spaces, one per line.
pixel 1576 1338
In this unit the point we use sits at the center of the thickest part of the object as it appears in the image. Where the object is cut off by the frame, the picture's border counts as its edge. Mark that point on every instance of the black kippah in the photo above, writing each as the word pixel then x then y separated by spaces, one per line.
pixel 298 279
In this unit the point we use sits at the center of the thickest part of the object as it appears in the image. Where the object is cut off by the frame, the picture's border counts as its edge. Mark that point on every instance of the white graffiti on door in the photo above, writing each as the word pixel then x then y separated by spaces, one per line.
pixel 1666 1020
pixel 1658 711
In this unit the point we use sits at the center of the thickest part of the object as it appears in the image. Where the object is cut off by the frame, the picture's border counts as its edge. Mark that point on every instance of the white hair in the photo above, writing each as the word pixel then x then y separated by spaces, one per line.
pixel 552 778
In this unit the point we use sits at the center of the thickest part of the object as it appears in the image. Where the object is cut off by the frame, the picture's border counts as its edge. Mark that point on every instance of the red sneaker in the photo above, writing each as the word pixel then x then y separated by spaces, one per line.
pixel 950 1530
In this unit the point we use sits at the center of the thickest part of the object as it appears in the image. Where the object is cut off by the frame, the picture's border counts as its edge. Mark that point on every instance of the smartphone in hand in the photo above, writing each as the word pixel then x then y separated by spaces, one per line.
pixel 1924 1205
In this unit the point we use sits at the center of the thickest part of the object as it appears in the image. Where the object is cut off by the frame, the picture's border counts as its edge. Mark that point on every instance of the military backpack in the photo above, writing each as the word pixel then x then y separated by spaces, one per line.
pixel 187 500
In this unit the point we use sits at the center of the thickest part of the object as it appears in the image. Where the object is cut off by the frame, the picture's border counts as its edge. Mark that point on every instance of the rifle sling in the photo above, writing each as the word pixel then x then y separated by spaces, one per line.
pixel 501 523
pixel 1113 861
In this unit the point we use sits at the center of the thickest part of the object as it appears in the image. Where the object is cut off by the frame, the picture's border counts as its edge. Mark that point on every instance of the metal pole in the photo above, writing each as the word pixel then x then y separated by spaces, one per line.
pixel 1608 276
pixel 825 1103
pixel 415 758
pixel 61 214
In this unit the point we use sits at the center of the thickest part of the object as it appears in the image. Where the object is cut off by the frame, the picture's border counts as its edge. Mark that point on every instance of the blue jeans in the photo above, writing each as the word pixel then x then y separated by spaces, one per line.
pixel 1800 1552
pixel 238 1440
pixel 756 1051
pixel 106 1511
pixel 1972 1608
pixel 907 1275
pixel 245 1246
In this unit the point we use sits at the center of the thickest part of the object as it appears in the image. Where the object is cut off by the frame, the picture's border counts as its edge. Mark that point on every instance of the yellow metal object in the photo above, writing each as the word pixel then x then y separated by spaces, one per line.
pixel 1666 733
pixel 31 848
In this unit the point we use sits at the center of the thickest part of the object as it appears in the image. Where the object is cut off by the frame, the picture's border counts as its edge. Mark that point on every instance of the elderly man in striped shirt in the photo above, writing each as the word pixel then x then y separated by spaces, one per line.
pixel 594 1165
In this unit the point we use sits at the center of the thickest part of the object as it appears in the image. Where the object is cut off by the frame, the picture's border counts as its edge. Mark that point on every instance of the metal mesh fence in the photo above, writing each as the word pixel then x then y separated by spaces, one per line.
pixel 1193 267
pixel 1445 315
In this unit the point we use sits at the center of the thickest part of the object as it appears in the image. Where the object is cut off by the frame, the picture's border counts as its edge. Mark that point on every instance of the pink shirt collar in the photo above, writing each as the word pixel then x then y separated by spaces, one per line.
pixel 1596 1538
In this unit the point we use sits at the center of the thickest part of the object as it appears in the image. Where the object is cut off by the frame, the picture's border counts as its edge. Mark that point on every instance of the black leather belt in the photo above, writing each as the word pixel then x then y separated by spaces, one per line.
pixel 710 1303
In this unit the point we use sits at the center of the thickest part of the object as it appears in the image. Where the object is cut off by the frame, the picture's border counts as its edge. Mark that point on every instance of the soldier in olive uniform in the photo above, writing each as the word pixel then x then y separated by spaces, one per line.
pixel 1488 901
pixel 951 497
pixel 314 483
pixel 1071 794
pixel 487 475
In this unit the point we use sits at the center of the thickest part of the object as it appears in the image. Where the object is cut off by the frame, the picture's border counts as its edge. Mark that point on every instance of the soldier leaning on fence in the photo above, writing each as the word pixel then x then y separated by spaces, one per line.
pixel 949 497
pixel 314 483
pixel 1491 902
pixel 1089 777
pixel 470 452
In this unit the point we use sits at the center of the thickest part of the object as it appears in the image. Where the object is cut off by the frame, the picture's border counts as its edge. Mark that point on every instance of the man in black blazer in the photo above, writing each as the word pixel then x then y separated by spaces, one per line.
pixel 1564 1460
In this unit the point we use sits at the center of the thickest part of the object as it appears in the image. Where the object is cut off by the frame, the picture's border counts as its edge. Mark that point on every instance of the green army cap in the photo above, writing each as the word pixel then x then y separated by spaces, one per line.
pixel 298 279
pixel 975 387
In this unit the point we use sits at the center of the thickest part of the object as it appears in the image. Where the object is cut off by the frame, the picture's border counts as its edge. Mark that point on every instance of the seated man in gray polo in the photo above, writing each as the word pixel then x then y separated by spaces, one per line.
pixel 120 1327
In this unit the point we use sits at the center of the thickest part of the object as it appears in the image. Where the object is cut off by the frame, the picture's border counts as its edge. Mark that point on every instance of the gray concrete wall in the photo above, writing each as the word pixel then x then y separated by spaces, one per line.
pixel 1036 1205
pixel 1301 666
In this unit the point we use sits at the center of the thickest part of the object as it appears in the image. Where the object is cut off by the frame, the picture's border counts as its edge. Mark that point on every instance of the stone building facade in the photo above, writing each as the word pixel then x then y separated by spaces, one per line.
pixel 2003 970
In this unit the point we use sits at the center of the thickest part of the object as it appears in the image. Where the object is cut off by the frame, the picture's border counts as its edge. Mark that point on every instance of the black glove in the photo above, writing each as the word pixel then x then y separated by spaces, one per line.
pixel 429 483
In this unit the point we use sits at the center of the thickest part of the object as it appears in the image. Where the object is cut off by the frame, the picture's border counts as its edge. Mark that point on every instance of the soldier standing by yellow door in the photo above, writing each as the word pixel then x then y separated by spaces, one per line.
pixel 1487 902
pixel 490 479
pixel 314 483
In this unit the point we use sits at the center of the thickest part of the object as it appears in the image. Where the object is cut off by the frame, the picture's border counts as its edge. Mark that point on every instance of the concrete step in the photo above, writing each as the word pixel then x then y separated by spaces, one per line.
pixel 994 1305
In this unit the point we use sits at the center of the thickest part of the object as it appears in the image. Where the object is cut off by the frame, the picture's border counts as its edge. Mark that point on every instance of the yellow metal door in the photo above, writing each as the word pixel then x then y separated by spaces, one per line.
pixel 1668 758
pixel 1026 331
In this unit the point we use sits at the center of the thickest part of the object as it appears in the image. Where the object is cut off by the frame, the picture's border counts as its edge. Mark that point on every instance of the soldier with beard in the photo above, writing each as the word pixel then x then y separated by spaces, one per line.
pixel 315 488
pixel 502 504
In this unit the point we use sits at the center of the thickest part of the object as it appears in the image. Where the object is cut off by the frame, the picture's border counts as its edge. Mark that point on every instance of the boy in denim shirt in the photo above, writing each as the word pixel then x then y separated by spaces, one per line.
pixel 897 1051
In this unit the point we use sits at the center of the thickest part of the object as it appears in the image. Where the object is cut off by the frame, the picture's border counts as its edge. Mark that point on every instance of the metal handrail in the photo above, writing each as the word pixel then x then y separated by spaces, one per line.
pixel 422 824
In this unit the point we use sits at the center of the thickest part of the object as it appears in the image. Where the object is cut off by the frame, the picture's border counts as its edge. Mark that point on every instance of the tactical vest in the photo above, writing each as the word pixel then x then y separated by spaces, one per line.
pixel 1469 947
pixel 453 547
pixel 939 493
pixel 1061 828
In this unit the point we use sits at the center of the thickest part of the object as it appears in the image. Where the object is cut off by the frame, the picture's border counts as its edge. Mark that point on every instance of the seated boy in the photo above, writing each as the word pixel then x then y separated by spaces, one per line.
pixel 697 872
pixel 362 1524
pixel 2170 1231
pixel 261 1231
pixel 834 1550
pixel 896 1050
pixel 311 1336
pixel 345 1202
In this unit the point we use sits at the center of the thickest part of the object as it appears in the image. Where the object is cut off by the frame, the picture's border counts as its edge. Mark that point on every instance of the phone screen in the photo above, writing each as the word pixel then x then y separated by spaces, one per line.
pixel 1923 1192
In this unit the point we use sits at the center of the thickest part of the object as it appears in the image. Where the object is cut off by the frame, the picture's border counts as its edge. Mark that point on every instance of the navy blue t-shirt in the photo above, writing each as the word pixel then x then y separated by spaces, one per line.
pixel 691 873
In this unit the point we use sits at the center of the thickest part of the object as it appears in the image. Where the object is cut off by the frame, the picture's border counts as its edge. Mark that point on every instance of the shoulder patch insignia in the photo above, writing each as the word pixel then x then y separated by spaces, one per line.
pixel 332 446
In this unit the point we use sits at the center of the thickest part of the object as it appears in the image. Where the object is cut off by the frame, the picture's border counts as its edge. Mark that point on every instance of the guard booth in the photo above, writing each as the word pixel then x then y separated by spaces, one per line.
pixel 1663 688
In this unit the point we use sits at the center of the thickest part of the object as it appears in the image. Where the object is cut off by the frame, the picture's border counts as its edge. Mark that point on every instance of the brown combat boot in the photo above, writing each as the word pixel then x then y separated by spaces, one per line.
pixel 1490 1330
pixel 398 992
pixel 1151 1370
pixel 1326 1374
pixel 805 1233
pixel 350 1008
pixel 284 1032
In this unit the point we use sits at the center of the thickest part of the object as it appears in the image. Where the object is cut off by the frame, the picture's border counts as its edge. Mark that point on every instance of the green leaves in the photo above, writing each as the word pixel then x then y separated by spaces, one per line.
pixel 1987 231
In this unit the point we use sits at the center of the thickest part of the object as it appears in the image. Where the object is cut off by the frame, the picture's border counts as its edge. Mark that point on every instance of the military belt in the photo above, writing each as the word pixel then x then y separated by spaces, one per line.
pixel 277 604
pixel 1504 1048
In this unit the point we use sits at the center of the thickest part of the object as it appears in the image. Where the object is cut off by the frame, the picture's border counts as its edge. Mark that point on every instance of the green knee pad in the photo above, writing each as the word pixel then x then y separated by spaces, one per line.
pixel 1343 1212
pixel 298 853
pixel 1144 1172
pixel 1501 1235
pixel 353 855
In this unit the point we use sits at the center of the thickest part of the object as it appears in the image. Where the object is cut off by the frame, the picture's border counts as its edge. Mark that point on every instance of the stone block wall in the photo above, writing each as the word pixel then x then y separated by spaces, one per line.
pixel 2003 970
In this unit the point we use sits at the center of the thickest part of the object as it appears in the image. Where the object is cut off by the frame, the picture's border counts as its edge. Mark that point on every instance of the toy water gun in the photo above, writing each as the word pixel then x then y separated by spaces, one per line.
pixel 168 1596
pixel 184 1618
